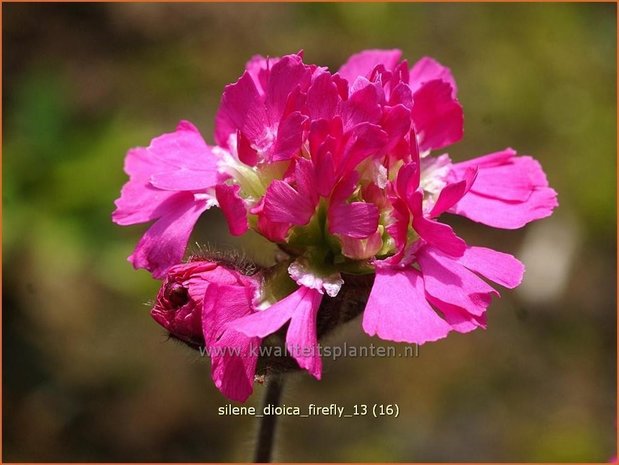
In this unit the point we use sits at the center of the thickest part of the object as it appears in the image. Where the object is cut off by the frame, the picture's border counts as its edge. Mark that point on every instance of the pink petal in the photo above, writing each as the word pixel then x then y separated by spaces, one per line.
pixel 398 229
pixel 357 220
pixel 396 123
pixel 233 366
pixel 301 338
pixel 365 140
pixel 139 201
pixel 233 208
pixel 439 235
pixel 241 108
pixel 437 116
pixel 269 320
pixel 363 105
pixel 247 154
pixel 163 245
pixel 300 308
pixel 283 204
pixel 289 137
pixel 361 249
pixel 452 193
pixel 259 69
pixel 288 73
pixel 398 311
pixel 325 174
pixel 448 281
pixel 362 63
pixel 322 97
pixel 499 267
pixel 507 215
pixel 510 191
pixel 407 181
pixel 223 304
pixel 427 69
pixel 459 319
pixel 185 180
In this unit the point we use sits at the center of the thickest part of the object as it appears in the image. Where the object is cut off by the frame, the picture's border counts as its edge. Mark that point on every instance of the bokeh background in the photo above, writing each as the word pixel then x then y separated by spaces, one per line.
pixel 88 376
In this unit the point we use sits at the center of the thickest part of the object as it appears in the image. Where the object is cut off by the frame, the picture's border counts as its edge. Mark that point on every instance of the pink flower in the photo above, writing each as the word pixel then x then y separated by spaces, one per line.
pixel 171 181
pixel 195 303
pixel 340 170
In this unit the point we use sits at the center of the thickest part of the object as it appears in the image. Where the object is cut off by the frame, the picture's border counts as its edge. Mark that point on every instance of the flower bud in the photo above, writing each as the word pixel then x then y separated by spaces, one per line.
pixel 180 302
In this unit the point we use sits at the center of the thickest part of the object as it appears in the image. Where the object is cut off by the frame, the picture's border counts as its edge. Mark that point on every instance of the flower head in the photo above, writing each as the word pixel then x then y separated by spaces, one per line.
pixel 341 171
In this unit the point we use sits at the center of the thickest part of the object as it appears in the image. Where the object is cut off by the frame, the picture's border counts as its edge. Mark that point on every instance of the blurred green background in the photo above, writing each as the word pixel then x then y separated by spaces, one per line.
pixel 88 376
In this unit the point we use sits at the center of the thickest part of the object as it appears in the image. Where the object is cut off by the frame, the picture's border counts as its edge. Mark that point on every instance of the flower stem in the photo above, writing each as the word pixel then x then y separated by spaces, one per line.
pixel 266 429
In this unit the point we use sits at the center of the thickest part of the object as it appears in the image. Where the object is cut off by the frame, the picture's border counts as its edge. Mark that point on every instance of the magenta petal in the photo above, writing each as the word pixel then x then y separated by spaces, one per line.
pixel 437 116
pixel 452 193
pixel 509 192
pixel 289 137
pixel 398 229
pixel 357 219
pixel 362 64
pixel 398 311
pixel 259 69
pixel 322 97
pixel 459 319
pixel 283 204
pixel 287 74
pixel 185 180
pixel 222 304
pixel 396 122
pixel 185 149
pixel 233 208
pixel 139 202
pixel 439 235
pixel 507 215
pixel 366 140
pixel 163 245
pixel 265 322
pixel 301 338
pixel 427 69
pixel 300 308
pixel 241 108
pixel 363 105
pixel 450 282
pixel 247 154
pixel 502 268
pixel 233 364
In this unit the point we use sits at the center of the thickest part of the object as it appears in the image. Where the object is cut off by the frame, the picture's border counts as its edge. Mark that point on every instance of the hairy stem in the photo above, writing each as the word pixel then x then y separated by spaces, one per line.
pixel 268 423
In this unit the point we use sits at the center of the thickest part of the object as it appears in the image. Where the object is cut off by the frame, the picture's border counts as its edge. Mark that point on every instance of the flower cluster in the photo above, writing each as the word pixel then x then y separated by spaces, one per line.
pixel 340 170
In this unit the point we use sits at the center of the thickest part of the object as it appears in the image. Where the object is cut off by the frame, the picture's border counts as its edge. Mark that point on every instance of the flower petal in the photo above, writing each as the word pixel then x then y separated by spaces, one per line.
pixel 356 220
pixel 450 282
pixel 362 63
pixel 439 235
pixel 398 311
pixel 453 192
pixel 233 208
pixel 301 339
pixel 163 245
pixel 428 69
pixel 437 116
pixel 509 192
pixel 223 304
pixel 183 149
pixel 233 367
pixel 502 268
